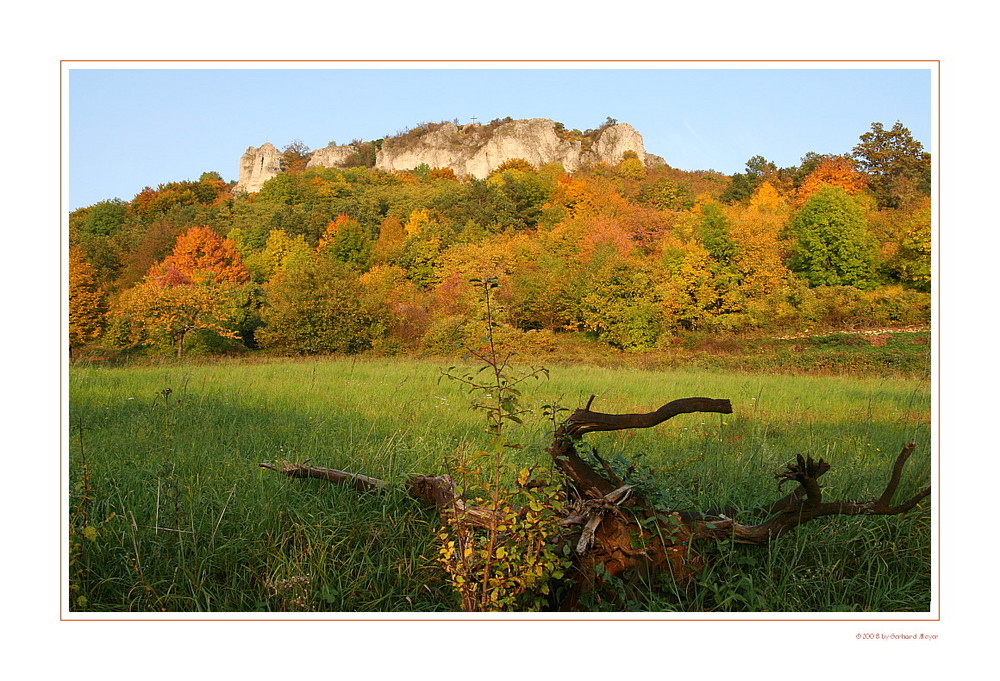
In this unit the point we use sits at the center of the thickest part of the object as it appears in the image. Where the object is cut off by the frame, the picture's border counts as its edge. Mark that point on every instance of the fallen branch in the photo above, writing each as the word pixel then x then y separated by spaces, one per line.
pixel 584 421
pixel 359 482
pixel 438 490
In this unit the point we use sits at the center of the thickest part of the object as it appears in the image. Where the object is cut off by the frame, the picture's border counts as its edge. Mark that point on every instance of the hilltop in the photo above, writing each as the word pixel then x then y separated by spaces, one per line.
pixel 473 150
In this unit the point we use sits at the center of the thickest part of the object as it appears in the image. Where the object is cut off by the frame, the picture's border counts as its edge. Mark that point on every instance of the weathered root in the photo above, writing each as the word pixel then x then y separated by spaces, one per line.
pixel 608 524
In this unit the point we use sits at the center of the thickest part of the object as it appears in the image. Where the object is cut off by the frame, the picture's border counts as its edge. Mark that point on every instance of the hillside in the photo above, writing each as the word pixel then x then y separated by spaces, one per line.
pixel 592 242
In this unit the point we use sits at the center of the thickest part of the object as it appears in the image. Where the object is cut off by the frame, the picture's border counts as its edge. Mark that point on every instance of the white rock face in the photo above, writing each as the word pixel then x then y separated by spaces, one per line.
pixel 330 157
pixel 472 150
pixel 613 142
pixel 257 166
pixel 468 151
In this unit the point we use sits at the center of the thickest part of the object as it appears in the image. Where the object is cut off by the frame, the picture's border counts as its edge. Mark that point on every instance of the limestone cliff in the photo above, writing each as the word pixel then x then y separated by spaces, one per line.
pixel 474 150
pixel 331 156
pixel 257 166
pixel 478 150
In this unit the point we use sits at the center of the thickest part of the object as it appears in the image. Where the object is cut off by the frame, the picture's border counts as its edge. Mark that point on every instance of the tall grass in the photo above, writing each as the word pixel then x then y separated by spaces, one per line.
pixel 179 517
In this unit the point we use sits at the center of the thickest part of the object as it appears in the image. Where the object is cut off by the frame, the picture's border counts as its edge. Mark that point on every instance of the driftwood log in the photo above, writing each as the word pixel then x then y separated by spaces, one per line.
pixel 607 523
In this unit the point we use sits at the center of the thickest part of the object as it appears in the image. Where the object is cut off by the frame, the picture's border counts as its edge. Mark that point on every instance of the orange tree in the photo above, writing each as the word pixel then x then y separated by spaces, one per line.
pixel 86 301
pixel 201 285
pixel 836 171
pixel 200 256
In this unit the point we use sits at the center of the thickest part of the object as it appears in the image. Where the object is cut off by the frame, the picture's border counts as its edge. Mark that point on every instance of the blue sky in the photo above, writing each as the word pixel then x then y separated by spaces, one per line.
pixel 129 128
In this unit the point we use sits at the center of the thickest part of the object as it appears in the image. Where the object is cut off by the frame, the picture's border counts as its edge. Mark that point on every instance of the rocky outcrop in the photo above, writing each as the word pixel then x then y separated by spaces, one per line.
pixel 331 156
pixel 257 166
pixel 473 150
pixel 477 151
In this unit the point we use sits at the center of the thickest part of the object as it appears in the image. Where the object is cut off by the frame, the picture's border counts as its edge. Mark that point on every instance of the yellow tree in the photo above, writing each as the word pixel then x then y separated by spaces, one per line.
pixel 755 230
pixel 279 250
pixel 201 285
pixel 152 311
pixel 696 292
pixel 630 167
pixel 905 243
pixel 391 235
pixel 419 219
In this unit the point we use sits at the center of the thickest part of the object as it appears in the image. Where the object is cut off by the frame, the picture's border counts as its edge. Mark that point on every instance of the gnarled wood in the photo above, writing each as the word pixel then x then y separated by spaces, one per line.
pixel 438 490
pixel 607 523
pixel 808 504
pixel 584 421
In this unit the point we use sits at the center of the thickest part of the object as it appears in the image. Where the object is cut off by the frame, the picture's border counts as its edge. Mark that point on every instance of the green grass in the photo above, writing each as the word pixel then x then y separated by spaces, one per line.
pixel 186 521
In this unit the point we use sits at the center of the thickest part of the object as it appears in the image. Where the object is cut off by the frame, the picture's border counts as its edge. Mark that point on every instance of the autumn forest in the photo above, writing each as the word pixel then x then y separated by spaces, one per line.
pixel 624 256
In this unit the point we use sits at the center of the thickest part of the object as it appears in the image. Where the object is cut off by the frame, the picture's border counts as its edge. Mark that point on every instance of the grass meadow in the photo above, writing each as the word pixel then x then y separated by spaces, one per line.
pixel 169 511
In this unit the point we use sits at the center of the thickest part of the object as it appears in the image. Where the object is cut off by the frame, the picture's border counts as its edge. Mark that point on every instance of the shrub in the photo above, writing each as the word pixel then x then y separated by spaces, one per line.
pixel 320 308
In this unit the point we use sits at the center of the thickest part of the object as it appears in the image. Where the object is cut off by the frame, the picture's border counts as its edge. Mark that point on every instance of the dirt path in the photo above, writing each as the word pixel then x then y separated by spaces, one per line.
pixel 857 332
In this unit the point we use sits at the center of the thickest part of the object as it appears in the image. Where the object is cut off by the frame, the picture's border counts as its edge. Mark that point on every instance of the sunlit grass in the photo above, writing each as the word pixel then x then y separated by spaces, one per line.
pixel 187 521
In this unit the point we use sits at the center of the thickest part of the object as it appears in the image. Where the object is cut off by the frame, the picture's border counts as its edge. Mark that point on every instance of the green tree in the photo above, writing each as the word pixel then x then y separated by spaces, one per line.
pixel 320 307
pixel 666 195
pixel 346 240
pixel 287 189
pixel 831 245
pixel 618 302
pixel 522 193
pixel 104 232
pixel 742 186
pixel 104 218
pixel 897 165
pixel 713 232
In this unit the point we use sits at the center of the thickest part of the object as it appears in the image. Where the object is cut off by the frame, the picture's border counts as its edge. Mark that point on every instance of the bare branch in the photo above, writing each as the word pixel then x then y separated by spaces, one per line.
pixel 794 510
pixel 585 421
pixel 356 480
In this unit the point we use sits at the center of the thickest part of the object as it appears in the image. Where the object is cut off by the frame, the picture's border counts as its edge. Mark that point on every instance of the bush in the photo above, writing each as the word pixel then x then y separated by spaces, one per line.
pixel 320 308
pixel 848 307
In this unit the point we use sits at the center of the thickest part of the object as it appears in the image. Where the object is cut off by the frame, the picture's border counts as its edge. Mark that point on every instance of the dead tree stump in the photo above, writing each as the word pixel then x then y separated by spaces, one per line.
pixel 608 523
